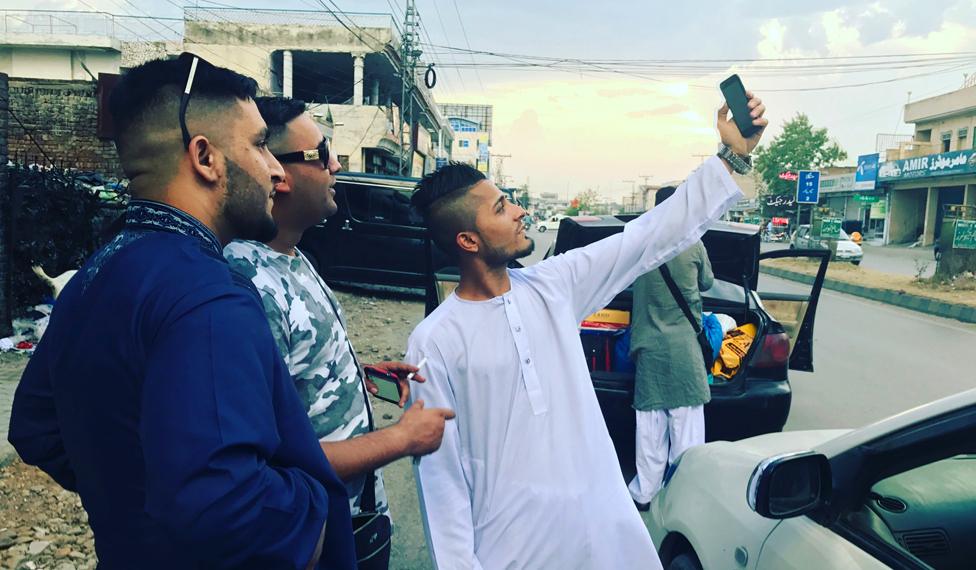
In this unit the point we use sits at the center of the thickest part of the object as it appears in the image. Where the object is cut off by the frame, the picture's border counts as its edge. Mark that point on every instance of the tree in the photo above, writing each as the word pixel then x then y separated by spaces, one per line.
pixel 800 146
pixel 586 201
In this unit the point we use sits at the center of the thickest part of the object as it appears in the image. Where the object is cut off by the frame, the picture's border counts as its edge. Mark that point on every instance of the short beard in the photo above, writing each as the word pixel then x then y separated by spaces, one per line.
pixel 244 207
pixel 501 258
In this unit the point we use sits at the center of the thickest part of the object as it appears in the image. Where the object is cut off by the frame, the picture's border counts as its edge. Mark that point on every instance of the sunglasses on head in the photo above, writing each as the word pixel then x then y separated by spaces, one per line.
pixel 321 152
pixel 195 63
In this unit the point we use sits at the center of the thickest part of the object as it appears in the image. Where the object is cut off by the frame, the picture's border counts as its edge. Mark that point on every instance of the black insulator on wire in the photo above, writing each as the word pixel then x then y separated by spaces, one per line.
pixel 430 77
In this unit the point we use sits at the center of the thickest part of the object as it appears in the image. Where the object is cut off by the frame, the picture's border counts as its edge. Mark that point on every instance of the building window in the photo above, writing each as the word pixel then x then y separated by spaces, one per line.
pixel 463 125
pixel 464 144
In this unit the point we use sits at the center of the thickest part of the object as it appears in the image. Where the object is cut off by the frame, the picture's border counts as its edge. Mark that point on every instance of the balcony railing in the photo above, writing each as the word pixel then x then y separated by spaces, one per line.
pixel 15 23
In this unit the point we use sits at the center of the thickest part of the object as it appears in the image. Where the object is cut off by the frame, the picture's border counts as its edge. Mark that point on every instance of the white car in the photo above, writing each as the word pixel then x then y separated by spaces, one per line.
pixel 844 248
pixel 900 493
pixel 550 224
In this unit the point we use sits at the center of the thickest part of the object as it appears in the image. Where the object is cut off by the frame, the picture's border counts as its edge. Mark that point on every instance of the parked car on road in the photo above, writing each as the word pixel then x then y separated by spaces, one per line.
pixel 900 493
pixel 757 399
pixel 842 247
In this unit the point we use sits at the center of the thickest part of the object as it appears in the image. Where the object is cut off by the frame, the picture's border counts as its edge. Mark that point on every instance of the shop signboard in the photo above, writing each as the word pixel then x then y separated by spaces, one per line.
pixel 866 174
pixel 830 228
pixel 944 164
pixel 836 183
pixel 867 198
pixel 965 235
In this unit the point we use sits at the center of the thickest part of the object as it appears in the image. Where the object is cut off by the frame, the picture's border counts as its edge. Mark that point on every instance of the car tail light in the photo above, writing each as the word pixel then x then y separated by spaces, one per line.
pixel 774 352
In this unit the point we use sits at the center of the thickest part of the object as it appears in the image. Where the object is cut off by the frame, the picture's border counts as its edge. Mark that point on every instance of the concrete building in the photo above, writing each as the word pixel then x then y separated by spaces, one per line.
pixel 936 169
pixel 350 77
pixel 59 46
pixel 352 73
pixel 472 133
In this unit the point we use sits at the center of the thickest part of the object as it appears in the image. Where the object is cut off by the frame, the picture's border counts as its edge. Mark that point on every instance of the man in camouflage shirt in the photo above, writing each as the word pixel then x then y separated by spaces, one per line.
pixel 308 323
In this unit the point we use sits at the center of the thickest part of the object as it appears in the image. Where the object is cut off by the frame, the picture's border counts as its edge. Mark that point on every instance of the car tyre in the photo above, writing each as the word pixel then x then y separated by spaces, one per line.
pixel 856 262
pixel 686 561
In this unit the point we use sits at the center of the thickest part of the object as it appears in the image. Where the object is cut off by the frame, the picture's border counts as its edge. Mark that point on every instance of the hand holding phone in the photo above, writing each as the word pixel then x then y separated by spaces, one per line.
pixel 747 114
pixel 387 384
pixel 386 376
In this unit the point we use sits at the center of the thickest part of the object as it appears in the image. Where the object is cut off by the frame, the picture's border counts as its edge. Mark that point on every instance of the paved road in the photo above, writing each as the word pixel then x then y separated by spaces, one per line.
pixel 873 360
pixel 899 260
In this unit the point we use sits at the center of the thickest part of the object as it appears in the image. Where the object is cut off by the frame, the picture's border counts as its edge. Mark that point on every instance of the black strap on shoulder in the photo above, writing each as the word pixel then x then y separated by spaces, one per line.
pixel 679 298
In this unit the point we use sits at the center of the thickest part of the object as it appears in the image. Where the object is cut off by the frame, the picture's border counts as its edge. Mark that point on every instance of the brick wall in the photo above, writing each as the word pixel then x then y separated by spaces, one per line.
pixel 62 116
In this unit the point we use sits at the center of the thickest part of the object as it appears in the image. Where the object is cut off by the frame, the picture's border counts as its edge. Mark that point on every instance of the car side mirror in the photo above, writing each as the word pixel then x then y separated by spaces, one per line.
pixel 790 485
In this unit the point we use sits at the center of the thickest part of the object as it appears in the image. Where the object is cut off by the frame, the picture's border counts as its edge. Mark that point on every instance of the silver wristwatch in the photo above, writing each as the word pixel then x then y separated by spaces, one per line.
pixel 741 164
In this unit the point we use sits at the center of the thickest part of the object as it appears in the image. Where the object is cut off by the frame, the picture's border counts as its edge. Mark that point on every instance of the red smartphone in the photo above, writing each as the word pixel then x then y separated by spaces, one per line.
pixel 386 382
pixel 735 95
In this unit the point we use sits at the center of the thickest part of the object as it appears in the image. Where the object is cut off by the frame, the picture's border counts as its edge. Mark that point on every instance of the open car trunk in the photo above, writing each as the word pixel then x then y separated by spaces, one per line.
pixel 756 399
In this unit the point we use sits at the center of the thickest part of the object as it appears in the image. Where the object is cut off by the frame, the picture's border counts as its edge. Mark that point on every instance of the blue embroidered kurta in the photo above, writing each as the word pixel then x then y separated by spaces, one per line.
pixel 159 395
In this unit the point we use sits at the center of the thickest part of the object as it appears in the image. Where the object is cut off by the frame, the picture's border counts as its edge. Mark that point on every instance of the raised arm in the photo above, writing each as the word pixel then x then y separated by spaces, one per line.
pixel 592 275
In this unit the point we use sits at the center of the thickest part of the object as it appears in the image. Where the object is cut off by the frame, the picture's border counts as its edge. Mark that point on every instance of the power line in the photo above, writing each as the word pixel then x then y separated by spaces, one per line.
pixel 464 32
pixel 447 39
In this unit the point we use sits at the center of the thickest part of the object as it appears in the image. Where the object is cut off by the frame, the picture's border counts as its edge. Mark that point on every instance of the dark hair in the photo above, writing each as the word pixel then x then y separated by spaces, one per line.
pixel 145 87
pixel 278 112
pixel 663 194
pixel 438 197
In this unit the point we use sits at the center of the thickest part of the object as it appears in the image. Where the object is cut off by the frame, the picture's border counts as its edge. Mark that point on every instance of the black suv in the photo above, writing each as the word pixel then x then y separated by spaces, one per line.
pixel 375 237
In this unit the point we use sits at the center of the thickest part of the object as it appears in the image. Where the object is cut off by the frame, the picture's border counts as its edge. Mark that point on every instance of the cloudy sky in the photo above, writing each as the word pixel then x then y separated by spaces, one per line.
pixel 571 129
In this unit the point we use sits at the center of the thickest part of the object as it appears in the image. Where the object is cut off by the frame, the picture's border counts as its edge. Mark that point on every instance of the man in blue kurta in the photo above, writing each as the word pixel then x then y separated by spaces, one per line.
pixel 158 392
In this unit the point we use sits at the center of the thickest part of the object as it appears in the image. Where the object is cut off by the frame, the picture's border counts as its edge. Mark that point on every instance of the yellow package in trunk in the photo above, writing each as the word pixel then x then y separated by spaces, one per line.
pixel 735 346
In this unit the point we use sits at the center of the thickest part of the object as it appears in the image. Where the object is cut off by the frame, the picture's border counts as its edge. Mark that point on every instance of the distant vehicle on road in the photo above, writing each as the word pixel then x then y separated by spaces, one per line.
pixel 550 224
pixel 896 494
pixel 845 250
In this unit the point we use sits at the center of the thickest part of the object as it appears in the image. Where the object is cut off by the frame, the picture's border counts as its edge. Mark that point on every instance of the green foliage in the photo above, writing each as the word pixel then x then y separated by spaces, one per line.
pixel 588 201
pixel 800 146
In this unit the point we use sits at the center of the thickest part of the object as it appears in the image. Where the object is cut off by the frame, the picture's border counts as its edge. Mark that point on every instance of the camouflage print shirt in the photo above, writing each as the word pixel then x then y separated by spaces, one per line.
pixel 310 329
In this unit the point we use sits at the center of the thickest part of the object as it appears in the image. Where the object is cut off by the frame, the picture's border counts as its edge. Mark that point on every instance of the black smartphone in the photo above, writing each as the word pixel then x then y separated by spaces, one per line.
pixel 386 383
pixel 735 96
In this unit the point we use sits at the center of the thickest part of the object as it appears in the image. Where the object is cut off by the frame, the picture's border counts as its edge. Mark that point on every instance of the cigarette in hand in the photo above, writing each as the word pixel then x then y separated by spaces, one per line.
pixel 419 366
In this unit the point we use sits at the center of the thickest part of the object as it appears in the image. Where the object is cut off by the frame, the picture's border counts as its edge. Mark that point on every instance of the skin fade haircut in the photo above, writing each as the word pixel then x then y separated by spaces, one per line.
pixel 439 197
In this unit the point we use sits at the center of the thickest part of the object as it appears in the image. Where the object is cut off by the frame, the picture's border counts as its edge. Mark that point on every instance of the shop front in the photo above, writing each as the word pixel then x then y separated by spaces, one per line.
pixel 921 189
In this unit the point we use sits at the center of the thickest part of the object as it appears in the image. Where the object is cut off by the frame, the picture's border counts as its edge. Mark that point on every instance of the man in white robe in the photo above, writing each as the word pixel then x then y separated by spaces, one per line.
pixel 527 476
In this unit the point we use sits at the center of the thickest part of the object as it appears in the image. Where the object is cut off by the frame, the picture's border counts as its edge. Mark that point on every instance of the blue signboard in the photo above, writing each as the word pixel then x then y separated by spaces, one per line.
pixel 808 187
pixel 439 162
pixel 943 164
pixel 866 175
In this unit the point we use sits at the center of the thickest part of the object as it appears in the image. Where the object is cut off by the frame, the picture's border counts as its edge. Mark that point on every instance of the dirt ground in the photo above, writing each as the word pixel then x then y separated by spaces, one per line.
pixel 44 527
pixel 962 290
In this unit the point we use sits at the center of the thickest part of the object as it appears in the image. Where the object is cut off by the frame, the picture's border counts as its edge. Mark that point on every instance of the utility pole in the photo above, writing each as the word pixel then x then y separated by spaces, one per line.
pixel 647 183
pixel 500 169
pixel 409 56
pixel 633 196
